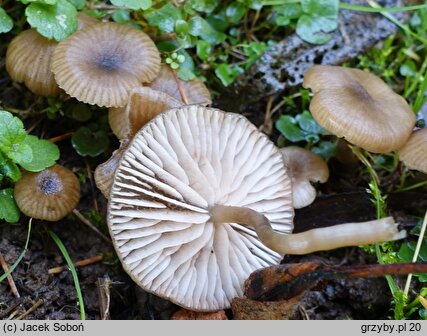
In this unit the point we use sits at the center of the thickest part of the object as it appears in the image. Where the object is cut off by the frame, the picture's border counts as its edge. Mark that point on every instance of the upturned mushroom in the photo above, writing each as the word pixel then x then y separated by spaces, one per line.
pixel 29 57
pixel 49 195
pixel 201 199
pixel 359 107
pixel 100 64
pixel 304 167
pixel 414 153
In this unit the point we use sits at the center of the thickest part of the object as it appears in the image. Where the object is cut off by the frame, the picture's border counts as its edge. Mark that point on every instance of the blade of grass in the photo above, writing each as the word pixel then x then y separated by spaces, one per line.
pixel 16 263
pixel 70 264
pixel 416 253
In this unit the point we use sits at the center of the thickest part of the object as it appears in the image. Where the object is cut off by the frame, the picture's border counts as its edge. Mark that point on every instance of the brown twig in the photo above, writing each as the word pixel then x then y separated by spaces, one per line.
pixel 90 225
pixel 61 137
pixel 180 88
pixel 84 262
pixel 9 277
pixel 267 126
pixel 32 308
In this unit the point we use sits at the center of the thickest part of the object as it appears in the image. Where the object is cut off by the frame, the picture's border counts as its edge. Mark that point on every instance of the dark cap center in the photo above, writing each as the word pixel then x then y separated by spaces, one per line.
pixel 108 61
pixel 49 183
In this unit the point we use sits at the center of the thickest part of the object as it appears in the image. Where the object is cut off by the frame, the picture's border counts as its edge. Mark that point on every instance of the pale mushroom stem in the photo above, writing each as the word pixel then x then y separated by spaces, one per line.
pixel 328 238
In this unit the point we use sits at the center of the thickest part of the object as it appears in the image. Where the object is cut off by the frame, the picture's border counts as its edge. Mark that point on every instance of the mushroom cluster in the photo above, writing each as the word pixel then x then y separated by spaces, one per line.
pixel 201 198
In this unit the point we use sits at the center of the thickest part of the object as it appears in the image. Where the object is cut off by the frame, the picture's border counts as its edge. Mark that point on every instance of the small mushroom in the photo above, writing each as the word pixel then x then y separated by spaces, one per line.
pixel 360 107
pixel 29 57
pixel 414 153
pixel 49 195
pixel 143 105
pixel 195 91
pixel 201 199
pixel 304 167
pixel 100 64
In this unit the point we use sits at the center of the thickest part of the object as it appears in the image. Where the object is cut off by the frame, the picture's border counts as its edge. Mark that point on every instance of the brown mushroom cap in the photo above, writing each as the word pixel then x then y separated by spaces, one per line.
pixel 195 90
pixel 414 153
pixel 175 169
pixel 100 64
pixel 360 107
pixel 50 194
pixel 143 105
pixel 28 60
pixel 304 167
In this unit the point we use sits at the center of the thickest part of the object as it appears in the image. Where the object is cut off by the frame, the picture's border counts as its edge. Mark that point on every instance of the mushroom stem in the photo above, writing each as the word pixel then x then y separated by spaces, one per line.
pixel 328 238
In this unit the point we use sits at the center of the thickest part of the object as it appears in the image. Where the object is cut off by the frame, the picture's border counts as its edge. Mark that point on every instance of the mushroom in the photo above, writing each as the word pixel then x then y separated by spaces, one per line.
pixel 50 194
pixel 414 154
pixel 195 91
pixel 100 64
pixel 143 105
pixel 29 56
pixel 304 167
pixel 28 59
pixel 360 107
pixel 190 189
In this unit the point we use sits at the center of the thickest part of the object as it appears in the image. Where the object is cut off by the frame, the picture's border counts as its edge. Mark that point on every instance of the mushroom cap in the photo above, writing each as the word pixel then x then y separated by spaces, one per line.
pixel 195 90
pixel 50 194
pixel 104 173
pixel 360 107
pixel 414 153
pixel 175 169
pixel 304 167
pixel 143 105
pixel 29 57
pixel 100 64
pixel 28 60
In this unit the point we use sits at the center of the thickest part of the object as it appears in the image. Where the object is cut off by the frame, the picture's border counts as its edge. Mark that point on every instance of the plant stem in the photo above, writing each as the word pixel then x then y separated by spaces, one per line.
pixel 73 272
pixel 12 268
pixel 416 253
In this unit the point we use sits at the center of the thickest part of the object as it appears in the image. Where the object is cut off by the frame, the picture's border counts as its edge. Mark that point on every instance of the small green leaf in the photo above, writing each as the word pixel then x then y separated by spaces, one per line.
pixel 164 18
pixel 181 27
pixel 235 12
pixel 9 211
pixel 9 169
pixel 308 124
pixel 203 49
pixel 45 154
pixel 79 4
pixel 325 149
pixel 53 21
pixel 80 112
pixel 289 128
pixel 12 132
pixel 90 143
pixel 133 4
pixel 320 18
pixel 121 15
pixel 227 74
pixel 46 2
pixel 201 28
pixel 6 23
pixel 201 6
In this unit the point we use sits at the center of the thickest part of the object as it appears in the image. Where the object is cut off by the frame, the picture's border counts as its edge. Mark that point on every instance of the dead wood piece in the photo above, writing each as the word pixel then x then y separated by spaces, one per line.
pixel 247 309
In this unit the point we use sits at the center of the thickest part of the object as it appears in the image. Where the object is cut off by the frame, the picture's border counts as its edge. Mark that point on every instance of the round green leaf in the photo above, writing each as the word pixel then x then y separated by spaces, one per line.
pixel 45 154
pixel 80 112
pixel 53 21
pixel 287 126
pixel 6 23
pixel 9 169
pixel 9 211
pixel 133 4
pixel 121 15
pixel 12 132
pixel 90 143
